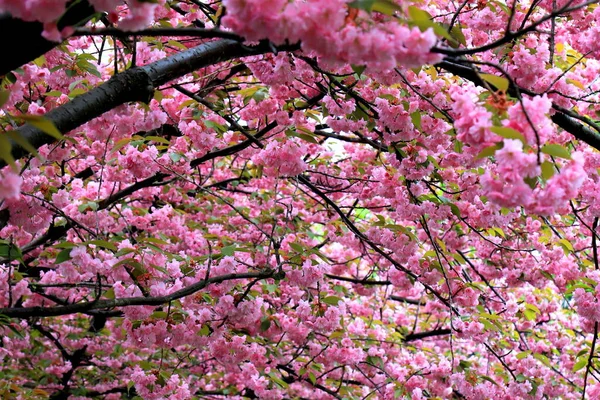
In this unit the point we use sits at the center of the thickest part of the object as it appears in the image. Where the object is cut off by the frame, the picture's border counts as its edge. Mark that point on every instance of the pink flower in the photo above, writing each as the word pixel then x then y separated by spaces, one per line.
pixel 10 186
pixel 282 159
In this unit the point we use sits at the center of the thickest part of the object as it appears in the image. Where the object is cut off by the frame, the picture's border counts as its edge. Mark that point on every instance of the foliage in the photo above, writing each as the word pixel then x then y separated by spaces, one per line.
pixel 301 199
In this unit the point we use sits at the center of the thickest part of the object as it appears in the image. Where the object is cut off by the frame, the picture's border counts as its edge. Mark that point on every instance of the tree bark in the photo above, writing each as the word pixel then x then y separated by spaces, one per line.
pixel 136 84
pixel 22 41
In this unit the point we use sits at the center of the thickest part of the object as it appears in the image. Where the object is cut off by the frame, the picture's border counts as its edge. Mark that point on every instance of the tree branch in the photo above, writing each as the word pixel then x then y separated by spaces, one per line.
pixel 564 118
pixel 136 84
pixel 422 335
pixel 180 32
pixel 23 42
pixel 27 312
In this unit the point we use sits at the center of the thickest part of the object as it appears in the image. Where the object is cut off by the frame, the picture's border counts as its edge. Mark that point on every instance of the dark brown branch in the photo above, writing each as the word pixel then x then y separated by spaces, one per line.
pixel 590 358
pixel 361 236
pixel 28 312
pixel 510 36
pixel 423 335
pixel 136 84
pixel 407 300
pixel 22 41
pixel 357 281
pixel 564 118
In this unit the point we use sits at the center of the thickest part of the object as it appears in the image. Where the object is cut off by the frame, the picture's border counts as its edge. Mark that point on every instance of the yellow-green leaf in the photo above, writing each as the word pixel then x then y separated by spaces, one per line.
pixel 416 14
pixel 387 7
pixel 458 35
pixel 575 82
pixel 332 300
pixel 556 150
pixel 487 152
pixel 120 144
pixel 4 95
pixel 21 141
pixel 43 124
pixel 508 133
pixel 5 151
pixel 104 244
pixel 580 364
pixel 498 82
pixel 422 19
pixel 547 170
pixel 542 358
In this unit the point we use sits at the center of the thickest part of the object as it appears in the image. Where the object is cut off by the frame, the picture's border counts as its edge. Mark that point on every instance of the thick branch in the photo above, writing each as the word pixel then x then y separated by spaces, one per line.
pixel 27 312
pixel 22 41
pixel 135 84
pixel 422 335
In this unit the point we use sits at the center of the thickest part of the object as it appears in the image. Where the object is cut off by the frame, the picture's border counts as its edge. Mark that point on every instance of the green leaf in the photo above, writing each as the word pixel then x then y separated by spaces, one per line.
pixel 4 95
pixel 154 240
pixel 498 82
pixel 508 133
pixel 216 126
pixel 458 35
pixel 298 248
pixel 416 14
pixel 175 157
pixel 158 139
pixel 556 150
pixel 487 378
pixel 21 141
pixel 10 251
pixel 204 331
pixel 62 256
pixel 358 69
pixel 580 364
pixel 386 7
pixel 362 213
pixel 121 143
pixel 547 170
pixel 542 358
pixel 5 152
pixel 523 354
pixel 575 82
pixel 455 210
pixel 278 380
pixel 566 245
pixel 531 182
pixel 177 44
pixel 43 124
pixel 331 300
pixel 416 119
pixel 423 20
pixel 307 138
pixel 265 324
pixel 487 152
pixel 530 315
pixel 65 245
pixel 228 250
pixel 90 205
